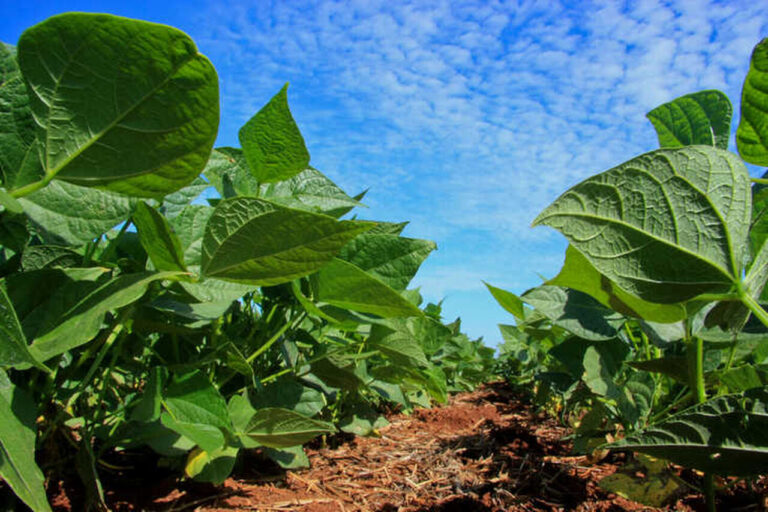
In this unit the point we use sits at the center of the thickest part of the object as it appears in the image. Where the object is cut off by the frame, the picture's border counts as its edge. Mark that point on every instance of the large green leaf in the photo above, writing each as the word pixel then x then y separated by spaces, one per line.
pixel 14 349
pixel 19 161
pixel 196 410
pixel 61 309
pixel 509 301
pixel 665 226
pixel 727 435
pixel 158 239
pixel 579 274
pixel 282 428
pixel 575 311
pixel 758 231
pixel 250 240
pixel 122 104
pixel 75 215
pixel 752 134
pixel 399 347
pixel 310 190
pixel 17 446
pixel 427 334
pixel 272 143
pixel 344 285
pixel 700 118
pixel 393 259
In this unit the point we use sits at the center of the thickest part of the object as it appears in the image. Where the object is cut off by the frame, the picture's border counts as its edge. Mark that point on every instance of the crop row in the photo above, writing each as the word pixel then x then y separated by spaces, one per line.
pixel 141 310
pixel 654 335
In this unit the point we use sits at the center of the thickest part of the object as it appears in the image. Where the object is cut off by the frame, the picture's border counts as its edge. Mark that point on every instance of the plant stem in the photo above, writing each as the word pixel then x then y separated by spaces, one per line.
pixel 291 324
pixel 755 308
pixel 696 357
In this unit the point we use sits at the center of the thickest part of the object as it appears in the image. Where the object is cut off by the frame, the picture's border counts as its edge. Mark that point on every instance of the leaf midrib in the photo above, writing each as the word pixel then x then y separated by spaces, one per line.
pixel 97 136
pixel 646 234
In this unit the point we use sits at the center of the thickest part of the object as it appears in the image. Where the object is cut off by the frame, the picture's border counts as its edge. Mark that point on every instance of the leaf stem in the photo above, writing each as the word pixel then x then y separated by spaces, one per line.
pixel 32 187
pixel 755 308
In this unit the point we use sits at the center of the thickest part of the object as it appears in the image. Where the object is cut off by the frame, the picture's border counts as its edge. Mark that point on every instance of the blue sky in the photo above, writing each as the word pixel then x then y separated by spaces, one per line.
pixel 466 118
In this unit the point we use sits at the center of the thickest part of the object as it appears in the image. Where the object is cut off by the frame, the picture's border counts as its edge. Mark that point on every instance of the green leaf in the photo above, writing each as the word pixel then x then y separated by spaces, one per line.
pixel 665 226
pixel 281 428
pixel 158 239
pixel 572 354
pixel 148 406
pixel 597 376
pixel 74 215
pixel 272 143
pixel 189 226
pixel 174 203
pixel 344 285
pixel 701 118
pixel 427 334
pixel 289 393
pixel 758 231
pixel 288 458
pixel 672 366
pixel 575 311
pixel 310 190
pixel 393 259
pixel 509 301
pixel 752 134
pixel 579 274
pixel 19 161
pixel 254 241
pixel 641 484
pixel 339 373
pixel 37 257
pixel 743 378
pixel 123 104
pixel 196 410
pixel 14 233
pixel 362 420
pixel 387 228
pixel 401 350
pixel 208 437
pixel 213 467
pixel 197 312
pixel 61 309
pixel 14 349
pixel 228 171
pixel 725 435
pixel 17 446
pixel 10 203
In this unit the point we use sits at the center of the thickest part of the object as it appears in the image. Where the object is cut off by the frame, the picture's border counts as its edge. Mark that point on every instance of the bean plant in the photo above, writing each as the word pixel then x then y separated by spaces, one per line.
pixel 655 330
pixel 159 293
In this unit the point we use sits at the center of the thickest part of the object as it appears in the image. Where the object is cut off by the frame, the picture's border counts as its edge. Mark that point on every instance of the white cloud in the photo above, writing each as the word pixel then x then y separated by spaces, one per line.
pixel 470 117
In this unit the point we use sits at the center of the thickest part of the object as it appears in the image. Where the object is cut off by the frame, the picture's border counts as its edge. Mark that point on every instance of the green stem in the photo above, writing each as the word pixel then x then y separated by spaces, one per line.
pixel 291 324
pixel 696 356
pixel 32 187
pixel 755 308
pixel 761 181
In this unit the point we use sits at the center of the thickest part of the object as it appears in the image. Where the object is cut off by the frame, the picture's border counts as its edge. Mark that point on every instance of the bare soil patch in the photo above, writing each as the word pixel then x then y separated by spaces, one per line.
pixel 488 450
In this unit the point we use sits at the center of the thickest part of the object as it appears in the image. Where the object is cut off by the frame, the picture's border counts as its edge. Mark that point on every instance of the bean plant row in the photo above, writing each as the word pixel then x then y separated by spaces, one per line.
pixel 654 335
pixel 159 294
